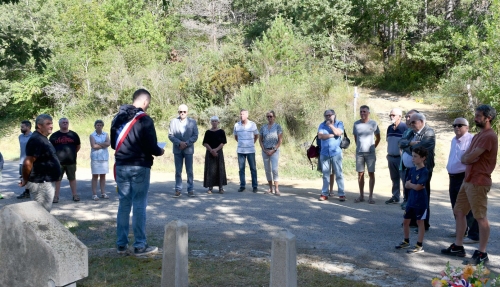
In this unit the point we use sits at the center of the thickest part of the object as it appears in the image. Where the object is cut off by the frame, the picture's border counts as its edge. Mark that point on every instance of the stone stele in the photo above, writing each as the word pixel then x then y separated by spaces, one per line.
pixel 37 250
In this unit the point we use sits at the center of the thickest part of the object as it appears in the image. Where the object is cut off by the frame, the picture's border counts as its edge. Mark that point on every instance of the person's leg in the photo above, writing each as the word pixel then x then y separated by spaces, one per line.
pixel 371 184
pixel 332 181
pixel 360 168
pixel 42 193
pixel 72 185
pixel 428 188
pixel 94 184
pixel 484 233
pixel 267 168
pixel 472 226
pixel 274 169
pixel 178 161
pixel 123 181
pixel 140 186
pixel 71 175
pixel 189 170
pixel 393 164
pixel 58 184
pixel 462 207
pixel 325 169
pixel 406 228
pixel 478 198
pixel 102 183
pixel 253 169
pixel 421 231
pixel 371 159
pixel 241 164
pixel 337 168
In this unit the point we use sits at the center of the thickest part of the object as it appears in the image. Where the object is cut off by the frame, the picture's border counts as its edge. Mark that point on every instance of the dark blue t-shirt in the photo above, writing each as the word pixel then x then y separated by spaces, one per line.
pixel 418 198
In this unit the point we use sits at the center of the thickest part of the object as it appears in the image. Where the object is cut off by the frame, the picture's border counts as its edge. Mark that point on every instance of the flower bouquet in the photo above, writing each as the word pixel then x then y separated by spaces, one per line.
pixel 465 277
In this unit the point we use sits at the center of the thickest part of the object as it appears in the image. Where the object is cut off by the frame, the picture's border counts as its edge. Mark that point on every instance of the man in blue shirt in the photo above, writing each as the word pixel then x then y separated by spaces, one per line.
pixel 330 134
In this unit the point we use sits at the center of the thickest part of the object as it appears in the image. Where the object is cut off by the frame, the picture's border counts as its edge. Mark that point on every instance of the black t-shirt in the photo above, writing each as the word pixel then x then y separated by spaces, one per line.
pixel 214 138
pixel 65 144
pixel 46 167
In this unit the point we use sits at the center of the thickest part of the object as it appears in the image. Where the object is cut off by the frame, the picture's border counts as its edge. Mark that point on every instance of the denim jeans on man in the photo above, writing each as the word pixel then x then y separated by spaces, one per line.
pixel 179 159
pixel 133 186
pixel 253 168
pixel 326 163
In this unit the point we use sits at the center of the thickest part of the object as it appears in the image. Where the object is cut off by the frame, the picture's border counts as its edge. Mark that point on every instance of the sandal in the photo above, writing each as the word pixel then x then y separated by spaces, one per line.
pixel 76 197
pixel 277 193
pixel 94 197
pixel 209 191
pixel 269 191
pixel 55 200
pixel 105 196
pixel 221 191
pixel 371 201
pixel 359 199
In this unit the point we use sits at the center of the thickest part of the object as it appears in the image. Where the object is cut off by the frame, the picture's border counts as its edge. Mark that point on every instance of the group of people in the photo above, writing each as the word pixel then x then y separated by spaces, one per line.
pixel 410 156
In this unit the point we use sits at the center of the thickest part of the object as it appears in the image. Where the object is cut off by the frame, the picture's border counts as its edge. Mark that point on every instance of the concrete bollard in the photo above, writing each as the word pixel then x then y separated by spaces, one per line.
pixel 37 250
pixel 284 260
pixel 174 272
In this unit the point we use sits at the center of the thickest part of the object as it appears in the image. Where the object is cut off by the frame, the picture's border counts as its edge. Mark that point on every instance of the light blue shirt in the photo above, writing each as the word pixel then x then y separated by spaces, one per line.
pixel 246 136
pixel 330 147
pixel 23 140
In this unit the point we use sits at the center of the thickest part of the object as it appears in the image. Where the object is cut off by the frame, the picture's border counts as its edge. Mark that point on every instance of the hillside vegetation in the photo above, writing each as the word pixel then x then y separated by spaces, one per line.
pixel 84 58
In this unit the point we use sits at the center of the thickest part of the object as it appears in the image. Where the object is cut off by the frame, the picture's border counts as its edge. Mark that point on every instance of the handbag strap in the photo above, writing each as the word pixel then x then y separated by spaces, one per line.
pixel 312 143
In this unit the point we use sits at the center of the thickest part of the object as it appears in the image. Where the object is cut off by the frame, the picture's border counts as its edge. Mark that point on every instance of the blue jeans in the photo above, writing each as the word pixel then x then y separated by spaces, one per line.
pixel 253 168
pixel 326 163
pixel 133 186
pixel 179 159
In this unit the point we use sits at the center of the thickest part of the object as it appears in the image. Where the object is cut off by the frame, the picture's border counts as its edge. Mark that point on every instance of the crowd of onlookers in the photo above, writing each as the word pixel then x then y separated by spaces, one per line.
pixel 410 157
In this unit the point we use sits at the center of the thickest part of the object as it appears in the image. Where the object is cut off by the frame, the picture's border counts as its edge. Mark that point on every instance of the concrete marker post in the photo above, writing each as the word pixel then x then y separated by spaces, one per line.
pixel 174 271
pixel 284 260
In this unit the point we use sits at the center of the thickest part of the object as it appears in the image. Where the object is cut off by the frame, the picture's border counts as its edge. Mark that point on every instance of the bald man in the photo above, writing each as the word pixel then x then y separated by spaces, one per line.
pixel 394 133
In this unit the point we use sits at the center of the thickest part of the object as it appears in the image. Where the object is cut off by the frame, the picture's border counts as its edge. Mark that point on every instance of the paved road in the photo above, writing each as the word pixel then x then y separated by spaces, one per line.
pixel 355 240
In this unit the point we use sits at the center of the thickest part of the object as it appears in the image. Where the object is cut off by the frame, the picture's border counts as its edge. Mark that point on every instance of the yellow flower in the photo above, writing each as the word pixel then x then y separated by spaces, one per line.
pixel 468 271
pixel 486 272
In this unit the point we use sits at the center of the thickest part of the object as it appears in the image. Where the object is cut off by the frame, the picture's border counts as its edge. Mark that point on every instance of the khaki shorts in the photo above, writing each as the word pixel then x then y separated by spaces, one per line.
pixel 368 158
pixel 70 171
pixel 473 197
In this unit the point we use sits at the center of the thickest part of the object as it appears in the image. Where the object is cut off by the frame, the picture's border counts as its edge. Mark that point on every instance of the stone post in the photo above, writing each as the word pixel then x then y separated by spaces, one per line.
pixel 283 260
pixel 174 271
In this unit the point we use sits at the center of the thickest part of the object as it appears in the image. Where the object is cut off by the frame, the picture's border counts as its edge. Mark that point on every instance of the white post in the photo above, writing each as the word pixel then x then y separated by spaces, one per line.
pixel 283 260
pixel 174 272
pixel 356 95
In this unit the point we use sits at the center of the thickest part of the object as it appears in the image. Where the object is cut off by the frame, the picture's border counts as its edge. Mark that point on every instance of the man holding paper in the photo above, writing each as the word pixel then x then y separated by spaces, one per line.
pixel 133 137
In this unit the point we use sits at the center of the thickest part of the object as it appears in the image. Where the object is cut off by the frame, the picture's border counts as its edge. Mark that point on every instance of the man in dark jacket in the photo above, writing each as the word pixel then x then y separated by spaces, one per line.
pixel 421 136
pixel 133 137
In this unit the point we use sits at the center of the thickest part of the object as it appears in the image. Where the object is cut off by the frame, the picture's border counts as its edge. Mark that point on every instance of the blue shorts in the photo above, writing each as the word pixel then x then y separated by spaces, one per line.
pixel 418 213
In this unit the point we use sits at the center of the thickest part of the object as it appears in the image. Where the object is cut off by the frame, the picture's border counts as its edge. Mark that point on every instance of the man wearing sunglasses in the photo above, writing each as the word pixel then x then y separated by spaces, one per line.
pixel 394 133
pixel 421 136
pixel 183 133
pixel 456 171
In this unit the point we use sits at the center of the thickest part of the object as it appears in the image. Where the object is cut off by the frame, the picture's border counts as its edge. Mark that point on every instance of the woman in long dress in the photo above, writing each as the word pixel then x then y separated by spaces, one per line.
pixel 99 159
pixel 215 170
pixel 270 138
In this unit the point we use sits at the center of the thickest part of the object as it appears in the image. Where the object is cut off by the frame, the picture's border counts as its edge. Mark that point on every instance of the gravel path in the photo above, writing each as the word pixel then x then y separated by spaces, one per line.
pixel 350 239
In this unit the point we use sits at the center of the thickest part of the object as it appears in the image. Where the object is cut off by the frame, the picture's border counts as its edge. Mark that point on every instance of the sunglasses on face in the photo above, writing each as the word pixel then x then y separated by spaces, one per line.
pixel 329 115
pixel 182 112
pixel 269 117
pixel 458 125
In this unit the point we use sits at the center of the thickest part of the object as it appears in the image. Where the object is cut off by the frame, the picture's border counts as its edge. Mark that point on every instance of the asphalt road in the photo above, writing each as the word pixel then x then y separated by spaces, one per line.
pixel 349 239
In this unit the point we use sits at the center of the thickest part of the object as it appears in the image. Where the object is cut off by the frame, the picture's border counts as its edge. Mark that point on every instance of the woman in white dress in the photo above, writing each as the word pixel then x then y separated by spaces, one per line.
pixel 99 158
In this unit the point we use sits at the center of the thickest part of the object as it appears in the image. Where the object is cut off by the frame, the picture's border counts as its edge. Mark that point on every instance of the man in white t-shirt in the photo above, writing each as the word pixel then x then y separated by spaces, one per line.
pixel 367 137
pixel 246 134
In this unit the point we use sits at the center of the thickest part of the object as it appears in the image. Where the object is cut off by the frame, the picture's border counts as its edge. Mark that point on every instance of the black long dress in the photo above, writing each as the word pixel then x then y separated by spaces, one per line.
pixel 215 170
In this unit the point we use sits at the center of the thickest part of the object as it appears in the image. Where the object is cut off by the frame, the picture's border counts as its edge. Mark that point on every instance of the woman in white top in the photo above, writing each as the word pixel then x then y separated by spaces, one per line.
pixel 99 158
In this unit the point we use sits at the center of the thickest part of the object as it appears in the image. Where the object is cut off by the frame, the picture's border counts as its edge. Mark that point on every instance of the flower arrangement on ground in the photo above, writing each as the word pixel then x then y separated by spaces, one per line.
pixel 466 277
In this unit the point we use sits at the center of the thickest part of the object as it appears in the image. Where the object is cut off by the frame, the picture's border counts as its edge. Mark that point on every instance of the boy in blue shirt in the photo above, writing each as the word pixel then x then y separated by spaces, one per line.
pixel 417 200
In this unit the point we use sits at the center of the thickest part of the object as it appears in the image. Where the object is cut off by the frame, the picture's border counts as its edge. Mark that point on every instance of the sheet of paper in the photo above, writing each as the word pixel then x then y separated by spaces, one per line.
pixel 162 144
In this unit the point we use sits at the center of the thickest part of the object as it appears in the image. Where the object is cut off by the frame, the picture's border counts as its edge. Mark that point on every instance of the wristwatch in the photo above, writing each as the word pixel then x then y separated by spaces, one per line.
pixel 274 148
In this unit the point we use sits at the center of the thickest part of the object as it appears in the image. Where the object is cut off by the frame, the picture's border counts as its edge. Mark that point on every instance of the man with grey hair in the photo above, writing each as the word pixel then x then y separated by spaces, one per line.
pixel 394 133
pixel 183 133
pixel 403 169
pixel 421 136
pixel 41 166
pixel 67 144
pixel 456 172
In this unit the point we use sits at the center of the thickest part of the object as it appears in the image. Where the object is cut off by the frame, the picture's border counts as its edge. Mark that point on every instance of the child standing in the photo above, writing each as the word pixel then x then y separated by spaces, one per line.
pixel 1 167
pixel 417 200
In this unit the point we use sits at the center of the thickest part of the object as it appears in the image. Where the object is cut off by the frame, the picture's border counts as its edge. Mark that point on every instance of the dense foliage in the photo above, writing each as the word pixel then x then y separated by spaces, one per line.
pixel 77 57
